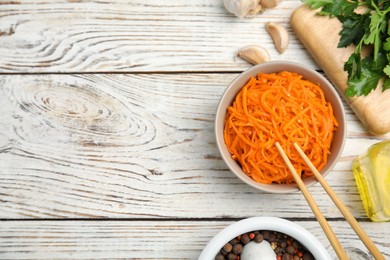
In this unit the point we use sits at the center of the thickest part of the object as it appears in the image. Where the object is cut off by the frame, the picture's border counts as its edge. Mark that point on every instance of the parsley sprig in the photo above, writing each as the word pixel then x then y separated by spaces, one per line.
pixel 368 28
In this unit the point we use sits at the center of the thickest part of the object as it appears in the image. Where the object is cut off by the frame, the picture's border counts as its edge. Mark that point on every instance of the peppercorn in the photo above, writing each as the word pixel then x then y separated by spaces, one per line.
pixel 227 247
pixel 237 249
pixel 272 237
pixel 290 250
pixel 307 256
pixel 245 239
pixel 277 250
pixel 233 241
pixel 251 235
pixel 231 256
pixel 259 238
pixel 220 257
pixel 286 256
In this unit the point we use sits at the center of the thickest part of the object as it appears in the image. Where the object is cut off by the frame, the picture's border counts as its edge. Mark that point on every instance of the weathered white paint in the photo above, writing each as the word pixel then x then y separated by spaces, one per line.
pixel 137 148
pixel 135 35
pixel 134 146
pixel 143 239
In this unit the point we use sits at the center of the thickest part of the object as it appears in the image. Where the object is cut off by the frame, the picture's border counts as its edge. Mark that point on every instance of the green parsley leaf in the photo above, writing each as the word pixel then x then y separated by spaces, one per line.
pixel 386 84
pixel 377 27
pixel 367 81
pixel 386 70
pixel 370 74
pixel 314 4
pixel 353 66
pixel 371 28
pixel 339 8
pixel 386 45
pixel 352 32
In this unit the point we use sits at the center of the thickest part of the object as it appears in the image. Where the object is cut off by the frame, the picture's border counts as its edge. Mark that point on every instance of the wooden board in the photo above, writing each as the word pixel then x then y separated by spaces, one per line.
pixel 165 239
pixel 135 146
pixel 51 36
pixel 319 34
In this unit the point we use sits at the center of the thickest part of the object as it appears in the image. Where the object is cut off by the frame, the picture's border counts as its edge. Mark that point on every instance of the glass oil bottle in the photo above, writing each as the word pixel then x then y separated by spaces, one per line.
pixel 372 176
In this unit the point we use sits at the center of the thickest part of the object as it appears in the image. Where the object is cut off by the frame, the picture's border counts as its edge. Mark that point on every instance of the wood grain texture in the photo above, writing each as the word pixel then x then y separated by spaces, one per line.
pixel 134 146
pixel 131 158
pixel 134 35
pixel 141 239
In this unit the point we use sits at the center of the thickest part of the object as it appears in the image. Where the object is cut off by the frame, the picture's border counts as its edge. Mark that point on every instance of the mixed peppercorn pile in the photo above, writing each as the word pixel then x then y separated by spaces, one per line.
pixel 284 246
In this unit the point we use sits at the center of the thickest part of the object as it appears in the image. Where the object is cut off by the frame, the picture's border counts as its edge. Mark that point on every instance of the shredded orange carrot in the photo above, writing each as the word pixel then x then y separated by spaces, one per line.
pixel 279 107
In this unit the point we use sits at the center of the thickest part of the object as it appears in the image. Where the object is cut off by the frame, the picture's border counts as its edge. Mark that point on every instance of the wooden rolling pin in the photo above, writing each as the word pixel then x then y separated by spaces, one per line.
pixel 320 36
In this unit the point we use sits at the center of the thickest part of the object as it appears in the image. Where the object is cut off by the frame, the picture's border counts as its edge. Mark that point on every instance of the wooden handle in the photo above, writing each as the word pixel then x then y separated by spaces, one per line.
pixel 343 209
pixel 314 207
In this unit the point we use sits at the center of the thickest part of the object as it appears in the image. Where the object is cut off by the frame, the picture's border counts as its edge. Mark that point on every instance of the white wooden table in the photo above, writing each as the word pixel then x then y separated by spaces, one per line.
pixel 107 147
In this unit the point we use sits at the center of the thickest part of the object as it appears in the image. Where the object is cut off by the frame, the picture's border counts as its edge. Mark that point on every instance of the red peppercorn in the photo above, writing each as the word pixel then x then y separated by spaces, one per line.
pixel 300 254
pixel 251 235
pixel 279 257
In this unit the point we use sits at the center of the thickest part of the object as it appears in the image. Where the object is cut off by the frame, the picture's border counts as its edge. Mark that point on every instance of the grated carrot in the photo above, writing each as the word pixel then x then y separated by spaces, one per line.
pixel 279 107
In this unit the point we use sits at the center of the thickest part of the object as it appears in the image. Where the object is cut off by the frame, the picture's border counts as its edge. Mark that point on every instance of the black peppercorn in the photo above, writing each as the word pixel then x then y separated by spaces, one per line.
pixel 245 239
pixel 286 256
pixel 259 238
pixel 237 249
pixel 227 247
pixel 220 257
pixel 272 238
pixel 290 250
pixel 266 234
pixel 231 256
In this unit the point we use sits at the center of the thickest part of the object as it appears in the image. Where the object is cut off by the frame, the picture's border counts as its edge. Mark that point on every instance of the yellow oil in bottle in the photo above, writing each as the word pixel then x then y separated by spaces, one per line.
pixel 372 176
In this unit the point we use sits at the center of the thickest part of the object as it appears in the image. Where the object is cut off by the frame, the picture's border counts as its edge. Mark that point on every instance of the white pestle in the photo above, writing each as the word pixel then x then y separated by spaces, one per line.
pixel 258 251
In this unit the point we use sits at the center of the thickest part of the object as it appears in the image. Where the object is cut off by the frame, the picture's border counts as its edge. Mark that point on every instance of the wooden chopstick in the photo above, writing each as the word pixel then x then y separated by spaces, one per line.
pixel 343 209
pixel 313 205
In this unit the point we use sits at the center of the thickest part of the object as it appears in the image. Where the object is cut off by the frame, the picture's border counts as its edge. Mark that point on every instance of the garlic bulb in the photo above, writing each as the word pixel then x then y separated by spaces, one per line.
pixel 243 8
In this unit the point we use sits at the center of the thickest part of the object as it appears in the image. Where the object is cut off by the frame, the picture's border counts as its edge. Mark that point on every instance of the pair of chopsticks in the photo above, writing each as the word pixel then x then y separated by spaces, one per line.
pixel 320 217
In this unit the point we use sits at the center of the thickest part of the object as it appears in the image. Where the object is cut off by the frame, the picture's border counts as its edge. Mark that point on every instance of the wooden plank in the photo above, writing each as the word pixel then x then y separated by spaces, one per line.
pixel 143 239
pixel 134 146
pixel 134 35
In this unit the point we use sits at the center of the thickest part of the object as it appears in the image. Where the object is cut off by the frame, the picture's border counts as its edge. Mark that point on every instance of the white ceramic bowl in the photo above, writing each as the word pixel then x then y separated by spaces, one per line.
pixel 265 223
pixel 331 95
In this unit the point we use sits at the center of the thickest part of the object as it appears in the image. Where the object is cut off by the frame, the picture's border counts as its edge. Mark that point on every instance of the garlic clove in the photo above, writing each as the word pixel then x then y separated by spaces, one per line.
pixel 269 3
pixel 242 8
pixel 279 35
pixel 253 54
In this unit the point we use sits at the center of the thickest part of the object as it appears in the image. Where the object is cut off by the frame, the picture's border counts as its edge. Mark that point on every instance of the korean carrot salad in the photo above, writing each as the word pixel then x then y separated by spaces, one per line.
pixel 279 107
